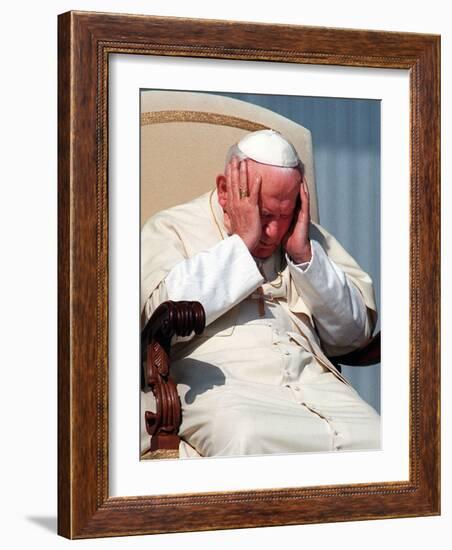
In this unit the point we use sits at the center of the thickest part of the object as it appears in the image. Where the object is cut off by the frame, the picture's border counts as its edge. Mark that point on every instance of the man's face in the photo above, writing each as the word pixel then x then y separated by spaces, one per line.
pixel 277 202
pixel 280 190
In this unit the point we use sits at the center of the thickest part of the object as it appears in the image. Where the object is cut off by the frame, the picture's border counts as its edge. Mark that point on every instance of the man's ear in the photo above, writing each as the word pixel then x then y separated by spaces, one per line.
pixel 222 190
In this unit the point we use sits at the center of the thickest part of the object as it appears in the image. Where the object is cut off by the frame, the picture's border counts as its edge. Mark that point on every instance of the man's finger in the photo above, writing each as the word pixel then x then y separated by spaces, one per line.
pixel 255 190
pixel 304 195
pixel 243 179
pixel 306 187
pixel 228 185
pixel 235 179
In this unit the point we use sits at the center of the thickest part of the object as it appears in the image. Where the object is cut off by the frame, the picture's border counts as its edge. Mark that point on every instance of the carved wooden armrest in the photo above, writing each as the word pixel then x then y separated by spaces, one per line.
pixel 369 355
pixel 168 320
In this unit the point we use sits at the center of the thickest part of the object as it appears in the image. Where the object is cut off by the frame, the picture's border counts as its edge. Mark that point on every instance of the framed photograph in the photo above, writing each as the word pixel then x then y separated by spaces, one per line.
pixel 185 138
pixel 110 65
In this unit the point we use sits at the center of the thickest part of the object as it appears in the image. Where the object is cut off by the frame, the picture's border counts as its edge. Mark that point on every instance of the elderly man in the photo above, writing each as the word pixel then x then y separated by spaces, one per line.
pixel 279 293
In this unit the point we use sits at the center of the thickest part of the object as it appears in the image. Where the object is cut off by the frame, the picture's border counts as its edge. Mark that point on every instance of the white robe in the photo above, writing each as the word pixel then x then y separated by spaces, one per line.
pixel 252 384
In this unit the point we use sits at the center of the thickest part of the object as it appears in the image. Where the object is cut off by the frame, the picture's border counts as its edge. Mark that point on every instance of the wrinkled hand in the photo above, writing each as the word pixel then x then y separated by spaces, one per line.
pixel 242 207
pixel 297 243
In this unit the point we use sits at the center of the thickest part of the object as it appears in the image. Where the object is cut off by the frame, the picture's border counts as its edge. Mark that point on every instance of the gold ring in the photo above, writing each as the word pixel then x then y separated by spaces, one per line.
pixel 242 193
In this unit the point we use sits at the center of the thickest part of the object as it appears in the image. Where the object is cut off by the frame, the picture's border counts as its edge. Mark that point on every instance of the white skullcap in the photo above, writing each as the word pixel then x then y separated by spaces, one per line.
pixel 269 147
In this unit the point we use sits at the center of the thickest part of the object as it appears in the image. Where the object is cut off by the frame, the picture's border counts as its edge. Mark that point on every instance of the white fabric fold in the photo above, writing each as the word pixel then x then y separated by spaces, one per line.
pixel 337 307
pixel 219 277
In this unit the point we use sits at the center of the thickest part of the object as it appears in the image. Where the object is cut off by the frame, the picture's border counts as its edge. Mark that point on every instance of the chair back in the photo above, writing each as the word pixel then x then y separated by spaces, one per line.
pixel 185 137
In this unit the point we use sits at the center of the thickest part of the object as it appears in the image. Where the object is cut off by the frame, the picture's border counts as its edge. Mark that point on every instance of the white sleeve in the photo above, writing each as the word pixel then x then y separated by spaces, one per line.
pixel 219 278
pixel 340 314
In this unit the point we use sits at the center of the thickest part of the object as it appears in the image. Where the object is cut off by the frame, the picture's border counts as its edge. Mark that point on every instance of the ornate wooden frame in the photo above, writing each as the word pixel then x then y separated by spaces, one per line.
pixel 86 40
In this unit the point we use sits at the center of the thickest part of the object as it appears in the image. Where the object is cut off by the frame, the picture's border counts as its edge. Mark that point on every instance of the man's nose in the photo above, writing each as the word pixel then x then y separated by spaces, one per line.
pixel 271 229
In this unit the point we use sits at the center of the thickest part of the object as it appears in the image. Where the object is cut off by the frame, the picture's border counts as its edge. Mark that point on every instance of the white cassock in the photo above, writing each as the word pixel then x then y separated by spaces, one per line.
pixel 257 381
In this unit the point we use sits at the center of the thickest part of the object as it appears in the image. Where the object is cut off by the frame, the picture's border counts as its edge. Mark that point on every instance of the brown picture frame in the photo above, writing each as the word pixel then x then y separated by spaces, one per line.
pixel 86 40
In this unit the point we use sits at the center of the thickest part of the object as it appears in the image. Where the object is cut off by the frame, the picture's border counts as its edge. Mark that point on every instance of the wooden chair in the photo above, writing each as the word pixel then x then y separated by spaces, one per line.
pixel 169 319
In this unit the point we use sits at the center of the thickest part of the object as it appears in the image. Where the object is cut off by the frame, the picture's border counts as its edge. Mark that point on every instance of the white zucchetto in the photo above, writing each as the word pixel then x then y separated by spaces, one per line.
pixel 269 147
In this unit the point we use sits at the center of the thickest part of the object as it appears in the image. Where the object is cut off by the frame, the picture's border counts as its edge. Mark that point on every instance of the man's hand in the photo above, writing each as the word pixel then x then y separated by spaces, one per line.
pixel 297 243
pixel 242 207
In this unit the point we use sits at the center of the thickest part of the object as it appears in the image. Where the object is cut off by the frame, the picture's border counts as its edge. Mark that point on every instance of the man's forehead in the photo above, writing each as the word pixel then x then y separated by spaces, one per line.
pixel 273 174
pixel 271 203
